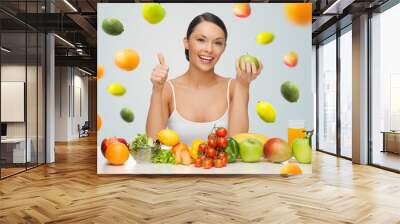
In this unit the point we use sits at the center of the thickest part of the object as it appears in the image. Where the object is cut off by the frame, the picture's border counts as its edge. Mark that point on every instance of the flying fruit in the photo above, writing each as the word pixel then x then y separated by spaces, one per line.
pixel 290 91
pixel 116 89
pixel 290 59
pixel 99 122
pixel 302 150
pixel 100 71
pixel 168 137
pixel 266 111
pixel 242 10
pixel 127 60
pixel 265 38
pixel 153 12
pixel 249 58
pixel 251 150
pixel 277 150
pixel 299 13
pixel 127 115
pixel 112 26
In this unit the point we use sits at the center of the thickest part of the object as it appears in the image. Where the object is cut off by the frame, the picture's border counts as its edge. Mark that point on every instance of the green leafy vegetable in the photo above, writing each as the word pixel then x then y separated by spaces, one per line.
pixel 163 156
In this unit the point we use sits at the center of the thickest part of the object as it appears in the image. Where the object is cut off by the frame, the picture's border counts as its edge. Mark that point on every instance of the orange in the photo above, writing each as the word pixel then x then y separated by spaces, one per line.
pixel 100 71
pixel 127 59
pixel 99 123
pixel 290 169
pixel 117 153
pixel 299 13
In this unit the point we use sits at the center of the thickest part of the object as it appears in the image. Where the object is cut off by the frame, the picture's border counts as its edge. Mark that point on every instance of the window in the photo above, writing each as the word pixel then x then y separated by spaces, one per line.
pixel 385 89
pixel 346 93
pixel 327 96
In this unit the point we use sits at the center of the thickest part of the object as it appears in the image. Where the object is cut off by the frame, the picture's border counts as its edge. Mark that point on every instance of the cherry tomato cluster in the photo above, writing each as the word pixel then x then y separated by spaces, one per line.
pixel 212 153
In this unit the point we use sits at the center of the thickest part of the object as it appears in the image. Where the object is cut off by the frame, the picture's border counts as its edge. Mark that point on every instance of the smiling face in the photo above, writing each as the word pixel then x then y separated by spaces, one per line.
pixel 205 44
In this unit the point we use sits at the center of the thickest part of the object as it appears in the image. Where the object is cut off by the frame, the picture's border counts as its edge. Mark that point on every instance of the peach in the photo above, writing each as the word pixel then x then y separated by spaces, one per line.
pixel 241 10
pixel 290 59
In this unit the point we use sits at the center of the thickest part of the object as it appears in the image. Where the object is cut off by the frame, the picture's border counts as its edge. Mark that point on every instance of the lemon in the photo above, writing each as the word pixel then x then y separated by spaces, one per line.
pixel 264 38
pixel 266 111
pixel 116 89
pixel 168 137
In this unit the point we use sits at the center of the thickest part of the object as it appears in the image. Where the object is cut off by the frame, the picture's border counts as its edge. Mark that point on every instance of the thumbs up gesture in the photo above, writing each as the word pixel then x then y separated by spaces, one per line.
pixel 160 73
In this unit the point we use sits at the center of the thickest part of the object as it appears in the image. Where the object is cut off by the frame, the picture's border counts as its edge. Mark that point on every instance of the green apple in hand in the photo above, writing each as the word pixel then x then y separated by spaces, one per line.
pixel 249 58
pixel 251 150
pixel 266 111
pixel 302 150
pixel 153 12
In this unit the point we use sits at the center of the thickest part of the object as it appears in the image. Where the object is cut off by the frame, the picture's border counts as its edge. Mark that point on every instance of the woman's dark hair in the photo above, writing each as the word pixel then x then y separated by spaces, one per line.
pixel 209 17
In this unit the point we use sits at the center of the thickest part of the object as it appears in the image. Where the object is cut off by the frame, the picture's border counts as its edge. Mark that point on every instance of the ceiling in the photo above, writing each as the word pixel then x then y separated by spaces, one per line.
pixel 76 23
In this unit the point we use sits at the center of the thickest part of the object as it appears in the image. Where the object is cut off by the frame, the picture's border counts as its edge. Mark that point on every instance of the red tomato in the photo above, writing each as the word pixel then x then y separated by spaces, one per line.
pixel 207 163
pixel 218 163
pixel 221 132
pixel 222 155
pixel 224 161
pixel 212 143
pixel 221 142
pixel 212 136
pixel 198 162
pixel 202 147
pixel 211 152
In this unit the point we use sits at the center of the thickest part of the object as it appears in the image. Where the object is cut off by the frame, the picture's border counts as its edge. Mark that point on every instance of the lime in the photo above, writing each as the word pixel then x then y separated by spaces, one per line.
pixel 112 26
pixel 290 91
pixel 127 115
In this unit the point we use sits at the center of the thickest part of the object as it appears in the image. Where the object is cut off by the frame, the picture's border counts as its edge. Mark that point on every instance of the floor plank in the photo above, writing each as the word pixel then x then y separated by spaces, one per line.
pixel 70 191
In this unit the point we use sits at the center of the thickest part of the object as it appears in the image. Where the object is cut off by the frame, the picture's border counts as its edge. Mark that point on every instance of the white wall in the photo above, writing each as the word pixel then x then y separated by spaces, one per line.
pixel 67 115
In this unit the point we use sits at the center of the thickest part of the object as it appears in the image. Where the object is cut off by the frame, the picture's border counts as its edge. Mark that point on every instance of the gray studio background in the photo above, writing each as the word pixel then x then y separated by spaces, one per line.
pixel 167 36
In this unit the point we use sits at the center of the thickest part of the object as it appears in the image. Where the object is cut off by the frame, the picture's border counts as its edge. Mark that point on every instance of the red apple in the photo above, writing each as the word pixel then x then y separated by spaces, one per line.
pixel 277 150
pixel 107 141
pixel 241 10
pixel 290 59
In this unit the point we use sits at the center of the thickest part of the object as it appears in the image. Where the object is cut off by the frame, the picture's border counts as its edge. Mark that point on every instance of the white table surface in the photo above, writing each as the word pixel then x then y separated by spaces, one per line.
pixel 131 167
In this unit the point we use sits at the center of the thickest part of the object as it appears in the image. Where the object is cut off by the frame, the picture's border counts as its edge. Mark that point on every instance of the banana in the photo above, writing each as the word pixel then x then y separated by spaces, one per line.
pixel 243 136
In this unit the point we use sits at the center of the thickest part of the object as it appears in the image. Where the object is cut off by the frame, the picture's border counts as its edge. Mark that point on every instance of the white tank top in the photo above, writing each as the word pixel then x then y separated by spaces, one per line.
pixel 190 130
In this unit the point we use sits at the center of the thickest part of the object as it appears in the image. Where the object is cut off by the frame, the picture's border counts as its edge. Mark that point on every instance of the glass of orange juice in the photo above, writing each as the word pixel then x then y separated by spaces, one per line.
pixel 296 129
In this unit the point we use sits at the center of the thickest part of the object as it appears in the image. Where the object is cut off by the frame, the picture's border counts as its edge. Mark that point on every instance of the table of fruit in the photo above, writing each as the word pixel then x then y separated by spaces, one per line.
pixel 246 153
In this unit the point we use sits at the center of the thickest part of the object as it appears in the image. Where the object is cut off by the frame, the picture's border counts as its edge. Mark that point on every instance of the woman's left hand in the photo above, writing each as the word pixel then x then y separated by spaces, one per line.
pixel 248 73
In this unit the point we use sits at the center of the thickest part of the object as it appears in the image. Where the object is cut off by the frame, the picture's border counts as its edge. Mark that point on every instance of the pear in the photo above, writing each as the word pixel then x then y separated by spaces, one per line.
pixel 302 150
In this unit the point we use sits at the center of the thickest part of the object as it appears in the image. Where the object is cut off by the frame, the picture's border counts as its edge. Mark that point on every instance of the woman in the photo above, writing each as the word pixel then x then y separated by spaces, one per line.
pixel 196 101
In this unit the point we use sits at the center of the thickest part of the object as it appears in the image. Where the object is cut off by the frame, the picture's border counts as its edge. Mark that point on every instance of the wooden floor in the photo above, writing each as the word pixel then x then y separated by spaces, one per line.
pixel 70 191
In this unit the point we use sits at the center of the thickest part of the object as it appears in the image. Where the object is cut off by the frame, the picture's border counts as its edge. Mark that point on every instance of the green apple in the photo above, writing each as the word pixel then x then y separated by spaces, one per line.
pixel 266 111
pixel 153 12
pixel 249 58
pixel 251 150
pixel 290 91
pixel 302 150
pixel 264 38
pixel 112 26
